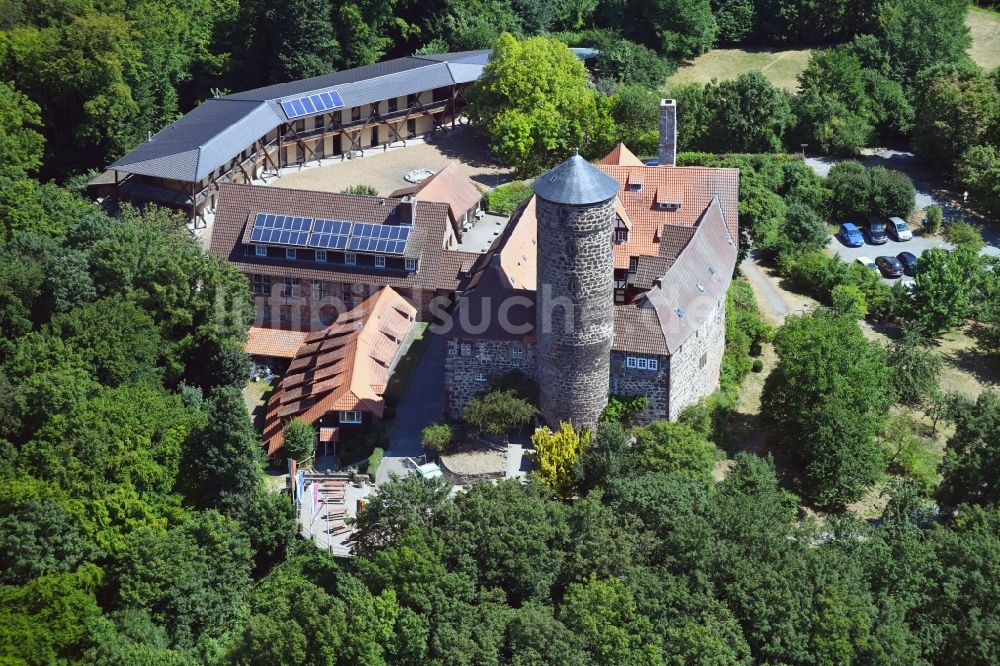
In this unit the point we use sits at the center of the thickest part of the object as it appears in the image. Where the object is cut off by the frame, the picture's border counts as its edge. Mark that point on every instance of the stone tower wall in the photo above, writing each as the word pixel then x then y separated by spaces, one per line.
pixel 575 313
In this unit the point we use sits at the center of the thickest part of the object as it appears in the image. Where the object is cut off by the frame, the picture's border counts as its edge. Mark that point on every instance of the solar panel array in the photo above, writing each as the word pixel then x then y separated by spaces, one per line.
pixel 270 229
pixel 380 238
pixel 308 105
pixel 330 234
pixel 280 229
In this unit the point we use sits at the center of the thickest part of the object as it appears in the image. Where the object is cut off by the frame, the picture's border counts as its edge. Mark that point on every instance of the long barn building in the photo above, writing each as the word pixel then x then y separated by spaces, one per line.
pixel 244 136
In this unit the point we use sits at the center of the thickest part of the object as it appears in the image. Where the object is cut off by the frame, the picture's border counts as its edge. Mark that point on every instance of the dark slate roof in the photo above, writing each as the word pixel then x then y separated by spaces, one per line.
pixel 237 204
pixel 576 182
pixel 684 297
pixel 220 128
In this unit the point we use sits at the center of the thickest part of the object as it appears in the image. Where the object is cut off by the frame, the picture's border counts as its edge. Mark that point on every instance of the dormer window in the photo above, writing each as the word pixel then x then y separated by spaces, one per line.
pixel 621 236
pixel 411 265
pixel 634 183
pixel 290 253
pixel 260 250
pixel 667 205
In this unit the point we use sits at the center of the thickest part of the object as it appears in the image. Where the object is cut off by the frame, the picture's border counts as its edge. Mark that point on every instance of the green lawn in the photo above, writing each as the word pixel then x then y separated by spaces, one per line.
pixel 985 28
pixel 782 66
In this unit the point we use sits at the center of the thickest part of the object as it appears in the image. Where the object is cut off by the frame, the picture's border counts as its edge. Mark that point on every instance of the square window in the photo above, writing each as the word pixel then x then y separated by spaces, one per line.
pixel 320 255
pixel 291 253
pixel 261 285
pixel 350 258
pixel 621 235
pixel 480 376
pixel 411 264
pixel 379 262
pixel 516 352
pixel 465 349
pixel 260 250
pixel 291 287
pixel 631 362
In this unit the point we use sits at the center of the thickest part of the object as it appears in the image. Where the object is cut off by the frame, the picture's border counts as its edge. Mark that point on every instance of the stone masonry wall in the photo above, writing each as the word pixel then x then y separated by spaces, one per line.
pixel 575 313
pixel 653 384
pixel 492 358
pixel 694 368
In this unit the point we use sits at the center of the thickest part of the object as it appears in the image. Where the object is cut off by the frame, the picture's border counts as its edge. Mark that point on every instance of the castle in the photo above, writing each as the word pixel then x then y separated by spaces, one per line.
pixel 609 280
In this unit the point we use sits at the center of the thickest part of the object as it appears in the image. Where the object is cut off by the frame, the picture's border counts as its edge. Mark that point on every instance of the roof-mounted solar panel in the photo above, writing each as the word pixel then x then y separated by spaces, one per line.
pixel 307 105
pixel 270 229
pixel 379 238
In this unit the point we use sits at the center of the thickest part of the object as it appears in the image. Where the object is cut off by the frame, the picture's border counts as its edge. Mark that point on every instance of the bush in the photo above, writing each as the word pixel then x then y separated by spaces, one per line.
pixel 498 413
pixel 623 62
pixel 366 190
pixel 758 365
pixel 438 437
pixel 354 450
pixel 890 193
pixel 935 218
pixel 503 200
pixel 523 386
pixel 848 300
pixel 622 410
pixel 961 233
pixel 374 460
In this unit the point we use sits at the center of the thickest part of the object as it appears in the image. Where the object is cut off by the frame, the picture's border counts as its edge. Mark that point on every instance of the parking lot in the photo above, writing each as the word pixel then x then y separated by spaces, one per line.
pixel 927 194
pixel 916 245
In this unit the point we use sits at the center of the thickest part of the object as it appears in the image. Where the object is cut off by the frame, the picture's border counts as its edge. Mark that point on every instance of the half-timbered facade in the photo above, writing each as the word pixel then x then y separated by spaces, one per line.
pixel 246 136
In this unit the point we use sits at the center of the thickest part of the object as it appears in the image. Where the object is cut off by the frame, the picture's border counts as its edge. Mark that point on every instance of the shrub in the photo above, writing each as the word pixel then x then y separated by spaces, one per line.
pixel 848 300
pixel 758 365
pixel 366 190
pixel 374 460
pixel 556 454
pixel 498 412
pixel 523 386
pixel 961 233
pixel 438 436
pixel 621 409
pixel 891 193
pixel 935 218
pixel 299 440
pixel 504 199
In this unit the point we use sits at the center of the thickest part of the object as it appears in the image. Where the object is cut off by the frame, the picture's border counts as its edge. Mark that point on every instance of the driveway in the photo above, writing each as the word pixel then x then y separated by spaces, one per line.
pixel 422 405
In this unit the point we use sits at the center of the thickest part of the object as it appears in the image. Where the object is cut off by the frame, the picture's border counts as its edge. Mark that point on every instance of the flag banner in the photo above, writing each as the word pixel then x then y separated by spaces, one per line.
pixel 301 482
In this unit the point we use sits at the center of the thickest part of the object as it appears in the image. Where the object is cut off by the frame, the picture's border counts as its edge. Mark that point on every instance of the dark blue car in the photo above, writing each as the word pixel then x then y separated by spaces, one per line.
pixel 850 235
pixel 909 262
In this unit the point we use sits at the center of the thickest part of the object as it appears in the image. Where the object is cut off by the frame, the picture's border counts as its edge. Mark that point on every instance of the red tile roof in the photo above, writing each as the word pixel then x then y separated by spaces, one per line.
pixel 449 186
pixel 620 155
pixel 343 367
pixel 273 342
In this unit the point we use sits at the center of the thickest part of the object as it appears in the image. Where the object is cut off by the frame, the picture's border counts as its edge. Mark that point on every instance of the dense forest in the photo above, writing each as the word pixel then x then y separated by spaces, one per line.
pixel 136 526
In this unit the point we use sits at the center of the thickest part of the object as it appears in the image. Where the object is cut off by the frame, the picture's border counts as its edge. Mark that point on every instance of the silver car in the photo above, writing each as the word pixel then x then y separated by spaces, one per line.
pixel 898 230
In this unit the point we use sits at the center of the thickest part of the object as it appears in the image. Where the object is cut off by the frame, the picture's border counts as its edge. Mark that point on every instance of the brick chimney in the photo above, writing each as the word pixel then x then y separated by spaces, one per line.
pixel 668 132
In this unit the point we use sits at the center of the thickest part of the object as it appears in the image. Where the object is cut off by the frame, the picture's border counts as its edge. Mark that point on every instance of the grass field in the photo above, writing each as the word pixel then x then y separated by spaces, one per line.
pixel 985 28
pixel 782 67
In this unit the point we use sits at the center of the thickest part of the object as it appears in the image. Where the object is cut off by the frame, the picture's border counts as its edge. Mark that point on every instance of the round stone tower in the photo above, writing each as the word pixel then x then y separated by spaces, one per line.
pixel 575 209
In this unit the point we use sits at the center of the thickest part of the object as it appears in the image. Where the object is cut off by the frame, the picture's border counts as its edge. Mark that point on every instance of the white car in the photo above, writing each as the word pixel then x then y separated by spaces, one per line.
pixel 898 229
pixel 867 262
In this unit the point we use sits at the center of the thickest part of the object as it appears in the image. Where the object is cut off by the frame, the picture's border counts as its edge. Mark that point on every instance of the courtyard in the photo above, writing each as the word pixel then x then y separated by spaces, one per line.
pixel 385 169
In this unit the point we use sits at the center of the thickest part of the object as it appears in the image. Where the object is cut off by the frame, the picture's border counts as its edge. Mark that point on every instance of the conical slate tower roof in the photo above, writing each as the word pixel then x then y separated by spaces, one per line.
pixel 576 182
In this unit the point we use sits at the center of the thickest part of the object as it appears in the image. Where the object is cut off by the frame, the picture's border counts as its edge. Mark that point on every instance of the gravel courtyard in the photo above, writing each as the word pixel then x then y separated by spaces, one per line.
pixel 384 170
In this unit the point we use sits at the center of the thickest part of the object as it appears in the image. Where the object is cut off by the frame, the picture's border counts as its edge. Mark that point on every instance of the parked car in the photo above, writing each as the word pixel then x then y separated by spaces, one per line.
pixel 867 262
pixel 899 230
pixel 890 267
pixel 876 231
pixel 909 262
pixel 652 162
pixel 850 235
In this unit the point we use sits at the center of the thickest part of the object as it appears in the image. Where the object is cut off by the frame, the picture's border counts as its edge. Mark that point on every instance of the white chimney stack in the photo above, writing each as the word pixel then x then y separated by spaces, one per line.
pixel 668 132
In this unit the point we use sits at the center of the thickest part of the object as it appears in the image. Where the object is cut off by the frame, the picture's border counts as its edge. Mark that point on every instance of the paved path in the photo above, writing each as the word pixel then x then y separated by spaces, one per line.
pixel 422 405
pixel 771 301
